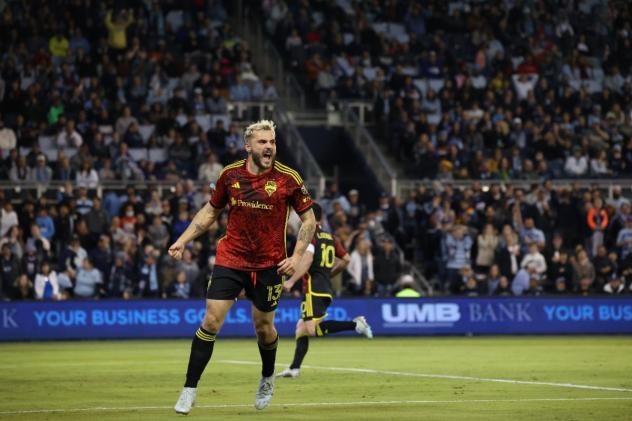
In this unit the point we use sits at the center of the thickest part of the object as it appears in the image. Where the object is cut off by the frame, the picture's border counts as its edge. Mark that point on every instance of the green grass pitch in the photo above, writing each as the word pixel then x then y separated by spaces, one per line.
pixel 128 380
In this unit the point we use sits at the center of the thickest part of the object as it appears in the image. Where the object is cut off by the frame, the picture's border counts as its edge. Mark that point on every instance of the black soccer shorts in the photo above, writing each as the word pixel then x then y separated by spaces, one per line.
pixel 314 307
pixel 263 287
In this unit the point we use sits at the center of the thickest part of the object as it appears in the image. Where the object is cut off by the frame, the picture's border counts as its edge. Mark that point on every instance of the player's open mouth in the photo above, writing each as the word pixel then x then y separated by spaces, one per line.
pixel 267 155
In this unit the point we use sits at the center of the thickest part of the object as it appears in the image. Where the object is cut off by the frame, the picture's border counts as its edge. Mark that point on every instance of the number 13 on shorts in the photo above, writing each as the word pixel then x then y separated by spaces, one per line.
pixel 274 293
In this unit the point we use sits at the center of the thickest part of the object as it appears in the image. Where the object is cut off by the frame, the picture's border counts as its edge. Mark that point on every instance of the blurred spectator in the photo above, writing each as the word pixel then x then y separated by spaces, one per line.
pixel 24 288
pixel 120 284
pixel 42 173
pixel 387 267
pixel 10 266
pixel 180 287
pixel 407 288
pixel 8 217
pixel 89 280
pixel 522 281
pixel 148 283
pixel 45 284
pixel 361 269
pixel 614 286
pixel 456 251
pixel 210 170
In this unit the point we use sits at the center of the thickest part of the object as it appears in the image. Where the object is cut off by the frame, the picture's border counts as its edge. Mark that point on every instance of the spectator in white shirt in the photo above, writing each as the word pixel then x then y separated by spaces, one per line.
pixel 576 164
pixel 211 169
pixel 534 258
pixel 599 164
pixel 87 176
pixel 46 284
pixel 8 218
pixel 7 138
pixel 69 137
pixel 524 83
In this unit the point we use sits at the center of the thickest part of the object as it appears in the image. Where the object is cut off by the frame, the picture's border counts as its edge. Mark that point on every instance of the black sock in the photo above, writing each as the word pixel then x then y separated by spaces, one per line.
pixel 268 356
pixel 201 351
pixel 333 326
pixel 302 344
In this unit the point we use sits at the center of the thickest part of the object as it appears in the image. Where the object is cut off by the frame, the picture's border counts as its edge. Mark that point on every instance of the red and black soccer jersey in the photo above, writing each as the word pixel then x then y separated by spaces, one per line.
pixel 326 248
pixel 258 208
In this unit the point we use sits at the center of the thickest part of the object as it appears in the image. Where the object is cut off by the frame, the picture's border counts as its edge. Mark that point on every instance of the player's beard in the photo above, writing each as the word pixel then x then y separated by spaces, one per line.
pixel 263 162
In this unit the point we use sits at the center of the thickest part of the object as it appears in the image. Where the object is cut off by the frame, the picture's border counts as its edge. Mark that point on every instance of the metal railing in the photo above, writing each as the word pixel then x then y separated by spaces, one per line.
pixel 362 139
pixel 362 108
pixel 251 110
pixel 403 186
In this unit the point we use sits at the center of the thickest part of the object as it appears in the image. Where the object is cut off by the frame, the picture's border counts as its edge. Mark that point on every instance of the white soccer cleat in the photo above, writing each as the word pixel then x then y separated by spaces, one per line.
pixel 186 401
pixel 289 373
pixel 264 392
pixel 362 327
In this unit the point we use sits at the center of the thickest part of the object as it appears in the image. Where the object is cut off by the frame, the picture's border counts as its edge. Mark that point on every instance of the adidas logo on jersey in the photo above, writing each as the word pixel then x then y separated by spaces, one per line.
pixel 236 185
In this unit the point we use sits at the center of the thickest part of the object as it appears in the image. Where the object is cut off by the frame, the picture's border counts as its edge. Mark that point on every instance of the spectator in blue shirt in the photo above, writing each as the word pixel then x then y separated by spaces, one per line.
pixel 529 234
pixel 88 278
pixel 45 222
pixel 180 288
pixel 457 248
pixel 240 91
pixel 522 280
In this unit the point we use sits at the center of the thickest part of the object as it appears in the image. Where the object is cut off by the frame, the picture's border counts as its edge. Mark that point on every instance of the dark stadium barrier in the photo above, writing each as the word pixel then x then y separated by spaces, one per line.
pixel 448 316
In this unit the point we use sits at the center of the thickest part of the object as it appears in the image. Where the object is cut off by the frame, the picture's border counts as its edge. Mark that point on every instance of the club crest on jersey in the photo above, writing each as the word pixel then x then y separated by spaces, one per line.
pixel 270 187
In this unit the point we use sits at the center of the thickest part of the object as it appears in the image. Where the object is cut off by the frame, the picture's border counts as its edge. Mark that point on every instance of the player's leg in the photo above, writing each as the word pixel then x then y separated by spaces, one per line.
pixel 224 287
pixel 264 291
pixel 320 303
pixel 201 351
pixel 267 340
pixel 359 324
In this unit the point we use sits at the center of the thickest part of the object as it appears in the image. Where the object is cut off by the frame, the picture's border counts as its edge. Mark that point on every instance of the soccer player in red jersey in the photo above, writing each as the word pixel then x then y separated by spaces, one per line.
pixel 259 192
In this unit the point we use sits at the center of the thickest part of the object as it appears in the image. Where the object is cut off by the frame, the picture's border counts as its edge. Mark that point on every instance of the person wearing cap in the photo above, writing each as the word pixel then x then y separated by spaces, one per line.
pixel 41 173
pixel 356 209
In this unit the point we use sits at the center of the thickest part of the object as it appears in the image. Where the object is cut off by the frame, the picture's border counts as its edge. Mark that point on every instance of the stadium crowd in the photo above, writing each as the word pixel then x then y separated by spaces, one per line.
pixel 81 94
pixel 475 90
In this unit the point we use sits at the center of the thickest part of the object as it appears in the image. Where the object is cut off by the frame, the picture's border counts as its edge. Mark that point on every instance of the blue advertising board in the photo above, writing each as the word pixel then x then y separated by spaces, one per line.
pixel 436 316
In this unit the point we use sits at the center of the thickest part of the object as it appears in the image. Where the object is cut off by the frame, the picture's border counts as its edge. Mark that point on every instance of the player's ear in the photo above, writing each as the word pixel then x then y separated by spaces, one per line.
pixel 247 145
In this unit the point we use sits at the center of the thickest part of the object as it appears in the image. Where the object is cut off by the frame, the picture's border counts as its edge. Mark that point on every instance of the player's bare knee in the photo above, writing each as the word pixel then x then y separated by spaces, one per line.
pixel 211 323
pixel 264 328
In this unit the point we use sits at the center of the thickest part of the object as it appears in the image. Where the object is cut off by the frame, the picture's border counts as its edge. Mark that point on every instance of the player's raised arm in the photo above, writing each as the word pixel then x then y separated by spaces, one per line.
pixel 305 234
pixel 201 222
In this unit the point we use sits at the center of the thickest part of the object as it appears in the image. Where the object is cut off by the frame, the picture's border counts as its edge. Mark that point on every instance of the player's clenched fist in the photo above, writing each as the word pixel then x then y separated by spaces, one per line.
pixel 176 250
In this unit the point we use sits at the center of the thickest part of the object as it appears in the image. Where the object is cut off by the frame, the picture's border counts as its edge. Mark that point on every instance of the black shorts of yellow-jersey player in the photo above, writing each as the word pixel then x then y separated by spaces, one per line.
pixel 317 298
pixel 262 287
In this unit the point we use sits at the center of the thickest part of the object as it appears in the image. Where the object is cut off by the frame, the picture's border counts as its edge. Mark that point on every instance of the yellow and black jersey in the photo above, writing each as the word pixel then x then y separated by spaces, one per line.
pixel 325 248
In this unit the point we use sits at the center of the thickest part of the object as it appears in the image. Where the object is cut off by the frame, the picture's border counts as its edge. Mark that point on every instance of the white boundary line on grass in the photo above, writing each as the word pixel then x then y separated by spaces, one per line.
pixel 308 404
pixel 444 376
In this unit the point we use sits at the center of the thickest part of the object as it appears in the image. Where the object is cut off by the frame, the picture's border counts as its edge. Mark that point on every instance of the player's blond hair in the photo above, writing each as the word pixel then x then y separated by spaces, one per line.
pixel 258 126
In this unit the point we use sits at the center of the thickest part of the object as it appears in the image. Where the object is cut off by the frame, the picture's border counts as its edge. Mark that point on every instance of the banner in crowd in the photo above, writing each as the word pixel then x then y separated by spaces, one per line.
pixel 435 316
